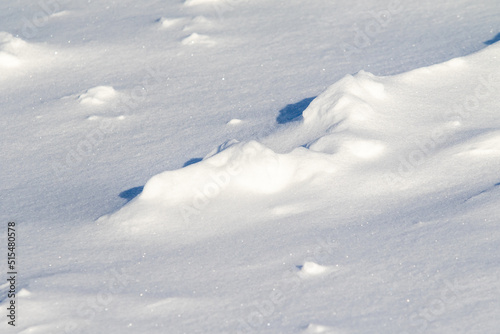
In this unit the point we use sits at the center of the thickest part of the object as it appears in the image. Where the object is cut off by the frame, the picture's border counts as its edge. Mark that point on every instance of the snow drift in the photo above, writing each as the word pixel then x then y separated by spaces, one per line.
pixel 396 132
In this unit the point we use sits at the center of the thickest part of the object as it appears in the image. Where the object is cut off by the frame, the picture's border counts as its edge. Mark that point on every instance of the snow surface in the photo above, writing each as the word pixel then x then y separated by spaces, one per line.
pixel 236 166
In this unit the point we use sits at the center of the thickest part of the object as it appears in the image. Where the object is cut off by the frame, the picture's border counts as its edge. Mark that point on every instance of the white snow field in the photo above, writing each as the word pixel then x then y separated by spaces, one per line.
pixel 237 166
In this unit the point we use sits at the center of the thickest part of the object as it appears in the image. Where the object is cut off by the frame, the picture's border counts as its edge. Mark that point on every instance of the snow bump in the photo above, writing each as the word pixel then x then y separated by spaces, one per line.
pixel 166 22
pixel 198 39
pixel 313 328
pixel 98 95
pixel 311 269
pixel 9 49
pixel 234 121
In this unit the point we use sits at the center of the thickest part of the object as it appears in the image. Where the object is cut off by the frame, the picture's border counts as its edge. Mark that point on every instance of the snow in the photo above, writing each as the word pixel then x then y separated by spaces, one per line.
pixel 97 95
pixel 235 166
pixel 312 269
pixel 195 38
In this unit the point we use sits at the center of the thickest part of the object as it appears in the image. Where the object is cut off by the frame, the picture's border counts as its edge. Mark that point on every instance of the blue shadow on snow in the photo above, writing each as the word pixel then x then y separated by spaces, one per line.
pixel 493 40
pixel 293 112
pixel 131 193
pixel 192 161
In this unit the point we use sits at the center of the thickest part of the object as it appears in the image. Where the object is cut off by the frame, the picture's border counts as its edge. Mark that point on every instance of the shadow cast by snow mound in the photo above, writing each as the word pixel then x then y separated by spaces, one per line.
pixel 293 112
pixel 192 162
pixel 131 193
pixel 493 40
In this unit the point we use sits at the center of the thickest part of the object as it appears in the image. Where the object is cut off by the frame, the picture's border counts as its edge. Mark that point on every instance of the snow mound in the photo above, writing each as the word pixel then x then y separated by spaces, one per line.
pixel 234 121
pixel 166 22
pixel 250 167
pixel 99 117
pixel 98 95
pixel 24 293
pixel 200 39
pixel 234 169
pixel 62 13
pixel 349 121
pixel 345 101
pixel 365 117
pixel 346 120
pixel 310 269
pixel 316 328
pixel 10 47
